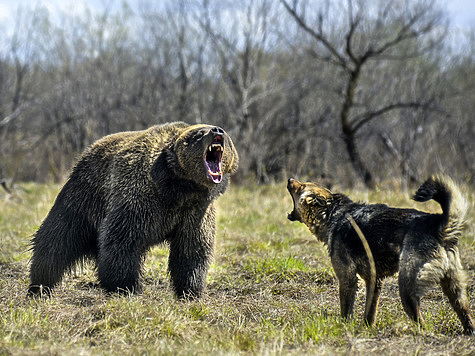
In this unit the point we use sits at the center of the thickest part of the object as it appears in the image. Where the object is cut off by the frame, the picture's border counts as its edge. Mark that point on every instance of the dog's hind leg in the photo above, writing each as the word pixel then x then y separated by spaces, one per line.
pixel 411 304
pixel 371 306
pixel 455 288
pixel 459 301
pixel 409 292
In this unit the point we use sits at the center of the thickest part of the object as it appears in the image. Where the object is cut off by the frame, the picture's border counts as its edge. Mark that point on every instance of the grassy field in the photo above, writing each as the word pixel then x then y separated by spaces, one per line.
pixel 271 290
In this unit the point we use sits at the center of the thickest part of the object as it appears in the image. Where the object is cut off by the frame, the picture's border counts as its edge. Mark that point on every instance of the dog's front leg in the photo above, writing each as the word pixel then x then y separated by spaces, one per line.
pixel 348 288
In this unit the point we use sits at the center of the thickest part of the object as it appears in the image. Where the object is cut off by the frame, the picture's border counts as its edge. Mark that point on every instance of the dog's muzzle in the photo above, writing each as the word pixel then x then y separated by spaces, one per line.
pixel 292 216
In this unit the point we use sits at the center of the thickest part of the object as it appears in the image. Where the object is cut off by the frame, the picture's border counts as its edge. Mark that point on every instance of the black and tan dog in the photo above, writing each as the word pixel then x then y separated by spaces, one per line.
pixel 422 247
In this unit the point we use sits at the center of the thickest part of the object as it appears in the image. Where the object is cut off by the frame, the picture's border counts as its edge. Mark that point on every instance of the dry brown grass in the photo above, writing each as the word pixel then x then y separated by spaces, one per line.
pixel 271 290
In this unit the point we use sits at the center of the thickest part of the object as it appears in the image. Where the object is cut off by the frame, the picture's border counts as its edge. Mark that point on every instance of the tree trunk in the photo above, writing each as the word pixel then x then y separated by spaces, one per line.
pixel 349 133
pixel 355 159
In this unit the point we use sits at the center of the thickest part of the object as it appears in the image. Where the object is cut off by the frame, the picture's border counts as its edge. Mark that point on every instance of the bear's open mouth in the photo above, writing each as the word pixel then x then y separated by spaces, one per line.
pixel 213 159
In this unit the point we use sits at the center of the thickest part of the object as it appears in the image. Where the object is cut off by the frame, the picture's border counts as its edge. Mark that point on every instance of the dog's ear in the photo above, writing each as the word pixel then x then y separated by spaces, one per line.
pixel 315 199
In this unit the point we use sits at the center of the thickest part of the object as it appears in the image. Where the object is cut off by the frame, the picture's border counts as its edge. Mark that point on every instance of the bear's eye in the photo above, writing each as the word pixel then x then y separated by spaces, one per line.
pixel 198 135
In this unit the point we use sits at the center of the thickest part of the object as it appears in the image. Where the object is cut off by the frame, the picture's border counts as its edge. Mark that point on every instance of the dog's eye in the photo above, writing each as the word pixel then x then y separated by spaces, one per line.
pixel 310 199
pixel 314 199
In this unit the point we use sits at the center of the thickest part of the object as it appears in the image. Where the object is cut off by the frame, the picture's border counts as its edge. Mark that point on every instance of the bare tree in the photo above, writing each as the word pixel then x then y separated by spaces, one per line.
pixel 387 31
pixel 243 48
pixel 344 89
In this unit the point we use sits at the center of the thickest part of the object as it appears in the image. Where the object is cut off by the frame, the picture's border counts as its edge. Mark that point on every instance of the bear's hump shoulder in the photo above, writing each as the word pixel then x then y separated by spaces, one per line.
pixel 151 139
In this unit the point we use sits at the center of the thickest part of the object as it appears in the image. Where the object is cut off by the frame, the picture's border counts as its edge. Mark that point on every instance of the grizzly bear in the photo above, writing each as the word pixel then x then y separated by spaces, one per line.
pixel 130 191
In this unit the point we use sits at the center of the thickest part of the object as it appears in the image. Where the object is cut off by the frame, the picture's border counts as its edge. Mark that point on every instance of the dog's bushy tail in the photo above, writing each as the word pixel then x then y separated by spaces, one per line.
pixel 444 191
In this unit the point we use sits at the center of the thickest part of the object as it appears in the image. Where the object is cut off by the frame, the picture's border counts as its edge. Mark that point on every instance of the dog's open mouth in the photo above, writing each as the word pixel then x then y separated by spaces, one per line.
pixel 213 159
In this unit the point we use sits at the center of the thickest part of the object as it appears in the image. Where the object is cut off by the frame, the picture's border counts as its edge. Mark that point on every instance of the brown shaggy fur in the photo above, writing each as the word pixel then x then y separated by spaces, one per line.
pixel 422 247
pixel 130 191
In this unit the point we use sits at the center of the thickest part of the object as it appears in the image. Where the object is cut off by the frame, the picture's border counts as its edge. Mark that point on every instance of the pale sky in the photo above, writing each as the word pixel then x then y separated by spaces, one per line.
pixel 461 12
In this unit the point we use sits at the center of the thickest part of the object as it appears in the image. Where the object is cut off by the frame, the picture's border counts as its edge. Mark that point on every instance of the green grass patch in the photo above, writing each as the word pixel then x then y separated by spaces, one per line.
pixel 271 290
pixel 277 268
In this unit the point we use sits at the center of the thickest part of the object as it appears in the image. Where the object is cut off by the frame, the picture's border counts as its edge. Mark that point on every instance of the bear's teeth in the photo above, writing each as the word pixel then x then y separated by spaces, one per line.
pixel 215 146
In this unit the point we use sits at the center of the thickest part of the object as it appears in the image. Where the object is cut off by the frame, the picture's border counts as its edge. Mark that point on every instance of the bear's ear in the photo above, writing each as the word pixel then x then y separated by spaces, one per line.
pixel 230 157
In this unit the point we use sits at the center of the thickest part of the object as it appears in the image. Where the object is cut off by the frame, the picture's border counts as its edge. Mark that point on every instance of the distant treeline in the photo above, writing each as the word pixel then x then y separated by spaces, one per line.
pixel 355 92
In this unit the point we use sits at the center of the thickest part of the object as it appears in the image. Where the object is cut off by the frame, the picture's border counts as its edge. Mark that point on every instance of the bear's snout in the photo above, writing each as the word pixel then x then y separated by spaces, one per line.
pixel 217 130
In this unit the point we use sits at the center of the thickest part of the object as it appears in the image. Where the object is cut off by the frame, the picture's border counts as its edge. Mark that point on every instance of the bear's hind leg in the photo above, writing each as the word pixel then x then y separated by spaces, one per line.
pixel 61 241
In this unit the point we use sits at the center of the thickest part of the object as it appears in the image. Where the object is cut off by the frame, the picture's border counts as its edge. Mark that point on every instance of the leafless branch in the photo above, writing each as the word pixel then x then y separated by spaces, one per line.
pixel 318 36
pixel 360 120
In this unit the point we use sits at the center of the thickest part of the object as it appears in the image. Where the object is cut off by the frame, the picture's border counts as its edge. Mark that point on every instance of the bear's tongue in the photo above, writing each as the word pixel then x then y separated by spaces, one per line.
pixel 214 171
pixel 213 161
